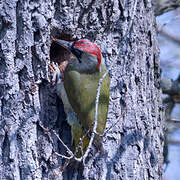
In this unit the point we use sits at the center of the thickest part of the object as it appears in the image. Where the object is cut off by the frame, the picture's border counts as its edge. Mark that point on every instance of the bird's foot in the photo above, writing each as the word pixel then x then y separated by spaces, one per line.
pixel 56 73
pixel 62 66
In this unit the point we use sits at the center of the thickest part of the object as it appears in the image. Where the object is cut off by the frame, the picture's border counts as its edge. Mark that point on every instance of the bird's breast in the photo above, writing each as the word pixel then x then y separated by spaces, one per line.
pixel 81 89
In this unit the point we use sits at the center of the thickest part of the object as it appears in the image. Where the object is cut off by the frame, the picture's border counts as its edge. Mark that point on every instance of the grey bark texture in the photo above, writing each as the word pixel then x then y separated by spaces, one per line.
pixel 30 108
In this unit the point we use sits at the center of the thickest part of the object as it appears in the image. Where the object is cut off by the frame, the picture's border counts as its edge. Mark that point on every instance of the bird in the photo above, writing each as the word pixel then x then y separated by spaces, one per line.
pixel 79 88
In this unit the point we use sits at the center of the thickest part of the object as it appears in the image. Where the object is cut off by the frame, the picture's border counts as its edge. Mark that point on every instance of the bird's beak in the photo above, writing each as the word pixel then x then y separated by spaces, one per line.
pixel 66 44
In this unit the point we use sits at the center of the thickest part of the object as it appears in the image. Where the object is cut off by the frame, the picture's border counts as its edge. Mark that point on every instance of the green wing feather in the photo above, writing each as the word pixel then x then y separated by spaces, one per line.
pixel 81 90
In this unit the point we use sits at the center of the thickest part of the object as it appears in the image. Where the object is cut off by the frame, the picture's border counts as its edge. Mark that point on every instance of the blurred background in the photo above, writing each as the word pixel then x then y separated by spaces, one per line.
pixel 169 42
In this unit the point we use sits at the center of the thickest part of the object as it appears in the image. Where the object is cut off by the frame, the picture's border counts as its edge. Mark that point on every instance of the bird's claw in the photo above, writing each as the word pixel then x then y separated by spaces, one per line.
pixel 56 74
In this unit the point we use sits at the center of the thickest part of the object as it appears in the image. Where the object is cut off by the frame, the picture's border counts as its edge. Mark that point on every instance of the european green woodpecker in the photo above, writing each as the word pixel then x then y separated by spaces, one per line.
pixel 78 90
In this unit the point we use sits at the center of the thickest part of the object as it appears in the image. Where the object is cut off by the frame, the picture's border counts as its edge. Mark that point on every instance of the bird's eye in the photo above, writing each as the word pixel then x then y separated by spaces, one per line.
pixel 77 53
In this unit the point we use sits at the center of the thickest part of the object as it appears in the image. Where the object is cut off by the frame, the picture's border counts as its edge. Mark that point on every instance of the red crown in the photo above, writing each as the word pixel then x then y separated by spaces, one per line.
pixel 89 47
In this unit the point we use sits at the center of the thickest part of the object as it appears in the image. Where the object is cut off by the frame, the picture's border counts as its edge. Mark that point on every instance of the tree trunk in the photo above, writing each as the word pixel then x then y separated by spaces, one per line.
pixel 30 108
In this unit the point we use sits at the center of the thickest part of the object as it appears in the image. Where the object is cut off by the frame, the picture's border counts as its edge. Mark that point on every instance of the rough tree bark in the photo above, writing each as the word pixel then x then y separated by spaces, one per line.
pixel 30 109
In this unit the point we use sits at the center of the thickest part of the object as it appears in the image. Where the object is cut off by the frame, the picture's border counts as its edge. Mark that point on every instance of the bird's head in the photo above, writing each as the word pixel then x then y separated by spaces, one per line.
pixel 88 55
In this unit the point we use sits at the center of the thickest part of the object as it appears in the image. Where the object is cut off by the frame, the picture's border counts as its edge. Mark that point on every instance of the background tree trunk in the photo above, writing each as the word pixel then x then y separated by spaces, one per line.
pixel 30 108
pixel 162 6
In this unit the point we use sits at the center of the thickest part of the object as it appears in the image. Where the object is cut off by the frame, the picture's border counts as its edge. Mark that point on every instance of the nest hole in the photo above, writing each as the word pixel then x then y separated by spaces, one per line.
pixel 58 53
